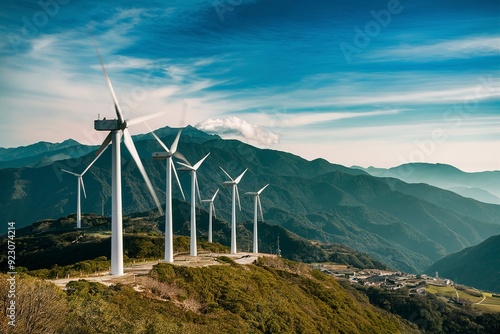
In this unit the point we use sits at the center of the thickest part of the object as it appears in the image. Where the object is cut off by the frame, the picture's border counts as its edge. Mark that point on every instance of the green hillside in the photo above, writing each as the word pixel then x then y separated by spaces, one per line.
pixel 477 266
pixel 272 296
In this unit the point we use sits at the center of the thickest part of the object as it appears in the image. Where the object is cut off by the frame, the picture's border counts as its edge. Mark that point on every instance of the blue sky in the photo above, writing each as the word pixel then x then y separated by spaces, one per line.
pixel 355 82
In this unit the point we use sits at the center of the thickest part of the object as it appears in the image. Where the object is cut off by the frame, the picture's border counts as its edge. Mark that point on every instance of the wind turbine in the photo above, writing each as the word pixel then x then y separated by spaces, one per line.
pixel 117 128
pixel 167 155
pixel 256 196
pixel 212 208
pixel 234 185
pixel 194 184
pixel 82 186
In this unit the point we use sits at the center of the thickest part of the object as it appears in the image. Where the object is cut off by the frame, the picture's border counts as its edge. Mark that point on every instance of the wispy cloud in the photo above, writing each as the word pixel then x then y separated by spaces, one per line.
pixel 300 119
pixel 441 50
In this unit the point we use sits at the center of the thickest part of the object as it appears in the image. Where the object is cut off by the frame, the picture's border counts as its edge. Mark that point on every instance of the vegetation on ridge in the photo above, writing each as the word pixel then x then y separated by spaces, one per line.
pixel 269 297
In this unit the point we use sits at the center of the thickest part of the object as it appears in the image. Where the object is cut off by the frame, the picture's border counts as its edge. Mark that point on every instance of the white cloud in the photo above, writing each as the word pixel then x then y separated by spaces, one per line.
pixel 177 73
pixel 234 126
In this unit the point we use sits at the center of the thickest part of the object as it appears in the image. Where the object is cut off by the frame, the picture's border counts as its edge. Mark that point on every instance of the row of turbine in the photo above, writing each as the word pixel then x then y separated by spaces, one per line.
pixel 186 166
pixel 118 128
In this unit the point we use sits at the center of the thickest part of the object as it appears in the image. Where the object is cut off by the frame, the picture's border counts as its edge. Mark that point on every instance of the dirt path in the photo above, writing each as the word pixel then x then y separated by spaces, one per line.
pixel 131 271
pixel 482 300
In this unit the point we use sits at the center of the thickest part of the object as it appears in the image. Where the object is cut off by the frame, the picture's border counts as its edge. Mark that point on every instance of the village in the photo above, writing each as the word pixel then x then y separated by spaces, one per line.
pixel 411 284
pixel 390 280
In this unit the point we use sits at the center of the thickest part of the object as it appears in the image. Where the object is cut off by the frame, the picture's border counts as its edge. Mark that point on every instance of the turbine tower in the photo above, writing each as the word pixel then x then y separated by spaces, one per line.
pixel 194 184
pixel 167 155
pixel 256 196
pixel 82 186
pixel 212 208
pixel 117 128
pixel 234 185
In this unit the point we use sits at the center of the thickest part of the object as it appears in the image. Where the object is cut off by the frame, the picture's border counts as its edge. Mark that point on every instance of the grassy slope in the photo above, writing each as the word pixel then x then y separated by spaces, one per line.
pixel 250 299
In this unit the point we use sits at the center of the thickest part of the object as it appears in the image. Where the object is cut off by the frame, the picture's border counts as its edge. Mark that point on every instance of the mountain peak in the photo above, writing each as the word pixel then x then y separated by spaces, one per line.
pixel 195 134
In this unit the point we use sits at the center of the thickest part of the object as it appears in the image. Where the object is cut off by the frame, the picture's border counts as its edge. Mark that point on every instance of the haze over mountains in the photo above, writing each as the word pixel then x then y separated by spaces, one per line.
pixel 406 226
pixel 482 186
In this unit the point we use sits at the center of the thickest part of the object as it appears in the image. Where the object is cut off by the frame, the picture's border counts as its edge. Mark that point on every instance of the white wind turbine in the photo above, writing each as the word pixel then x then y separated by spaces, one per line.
pixel 116 128
pixel 234 185
pixel 256 196
pixel 212 209
pixel 82 186
pixel 194 184
pixel 167 155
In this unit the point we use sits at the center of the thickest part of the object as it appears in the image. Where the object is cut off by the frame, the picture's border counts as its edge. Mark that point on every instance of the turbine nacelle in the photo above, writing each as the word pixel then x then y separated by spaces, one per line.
pixel 162 155
pixel 106 125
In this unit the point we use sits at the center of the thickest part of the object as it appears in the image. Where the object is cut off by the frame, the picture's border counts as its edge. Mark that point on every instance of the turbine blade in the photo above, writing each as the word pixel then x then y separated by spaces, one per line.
pixel 104 145
pixel 177 178
pixel 143 119
pixel 197 186
pixel 260 207
pixel 67 171
pixel 186 166
pixel 179 156
pixel 157 138
pixel 213 209
pixel 238 196
pixel 83 186
pixel 127 139
pixel 226 173
pixel 238 179
pixel 258 192
pixel 108 82
pixel 215 195
pixel 95 159
pixel 176 141
pixel 198 164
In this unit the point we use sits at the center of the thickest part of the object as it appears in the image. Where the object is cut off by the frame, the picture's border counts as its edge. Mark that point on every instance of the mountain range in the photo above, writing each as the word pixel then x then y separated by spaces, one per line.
pixel 406 226
pixel 42 154
pixel 482 186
